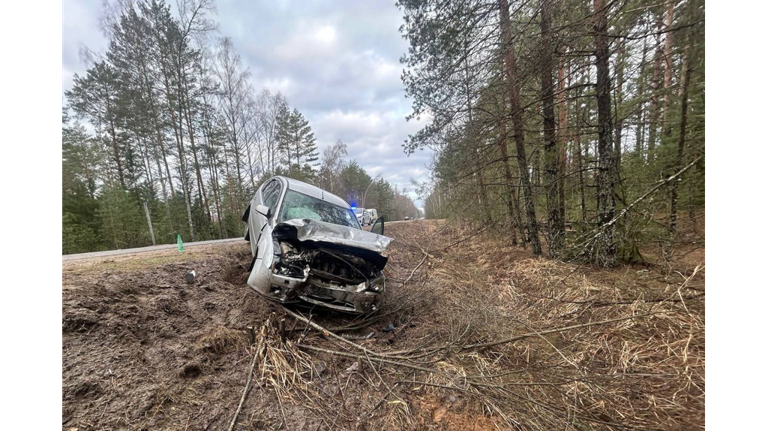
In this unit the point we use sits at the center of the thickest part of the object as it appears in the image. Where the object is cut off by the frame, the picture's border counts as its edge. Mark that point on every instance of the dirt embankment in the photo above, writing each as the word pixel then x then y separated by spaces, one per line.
pixel 142 349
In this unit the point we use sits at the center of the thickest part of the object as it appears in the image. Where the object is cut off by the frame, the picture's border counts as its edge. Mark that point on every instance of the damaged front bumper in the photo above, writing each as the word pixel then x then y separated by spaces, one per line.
pixel 359 298
pixel 316 271
pixel 351 298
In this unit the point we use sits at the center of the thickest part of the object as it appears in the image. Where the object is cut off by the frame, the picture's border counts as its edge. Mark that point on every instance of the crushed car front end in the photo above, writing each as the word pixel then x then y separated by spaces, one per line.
pixel 323 265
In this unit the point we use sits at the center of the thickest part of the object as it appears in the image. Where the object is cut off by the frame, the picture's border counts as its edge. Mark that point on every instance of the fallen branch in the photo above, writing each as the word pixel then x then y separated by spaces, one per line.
pixel 637 201
pixel 426 255
pixel 384 398
pixel 361 357
pixel 550 331
pixel 597 303
pixel 471 235
pixel 326 332
pixel 389 390
pixel 250 375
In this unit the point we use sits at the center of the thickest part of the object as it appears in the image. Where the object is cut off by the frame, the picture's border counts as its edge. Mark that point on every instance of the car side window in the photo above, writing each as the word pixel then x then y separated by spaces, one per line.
pixel 270 194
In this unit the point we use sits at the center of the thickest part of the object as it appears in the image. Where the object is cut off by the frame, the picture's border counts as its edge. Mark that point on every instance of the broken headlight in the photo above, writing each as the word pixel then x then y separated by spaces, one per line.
pixel 377 285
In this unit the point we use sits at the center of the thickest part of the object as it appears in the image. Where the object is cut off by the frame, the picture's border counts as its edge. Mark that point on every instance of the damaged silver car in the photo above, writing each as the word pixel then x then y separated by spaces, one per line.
pixel 308 246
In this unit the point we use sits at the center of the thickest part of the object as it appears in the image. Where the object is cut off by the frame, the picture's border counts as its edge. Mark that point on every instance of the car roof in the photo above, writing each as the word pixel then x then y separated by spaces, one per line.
pixel 313 191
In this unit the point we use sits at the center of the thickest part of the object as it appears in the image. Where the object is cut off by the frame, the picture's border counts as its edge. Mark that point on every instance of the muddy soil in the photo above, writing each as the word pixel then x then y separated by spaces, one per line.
pixel 140 344
pixel 143 349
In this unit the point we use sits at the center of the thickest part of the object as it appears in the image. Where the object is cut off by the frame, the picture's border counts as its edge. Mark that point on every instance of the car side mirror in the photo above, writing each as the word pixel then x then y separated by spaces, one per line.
pixel 263 210
pixel 378 226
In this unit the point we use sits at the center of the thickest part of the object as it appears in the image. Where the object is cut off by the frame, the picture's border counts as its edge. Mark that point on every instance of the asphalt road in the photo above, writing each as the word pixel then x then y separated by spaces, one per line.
pixel 70 257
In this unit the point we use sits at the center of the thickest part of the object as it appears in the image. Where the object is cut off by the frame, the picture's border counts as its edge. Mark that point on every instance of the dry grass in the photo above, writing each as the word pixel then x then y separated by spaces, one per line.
pixel 643 372
pixel 222 340
pixel 470 335
pixel 286 372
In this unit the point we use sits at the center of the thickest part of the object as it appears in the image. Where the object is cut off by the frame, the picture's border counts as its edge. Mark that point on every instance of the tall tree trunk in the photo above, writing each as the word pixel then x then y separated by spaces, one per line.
pixel 229 183
pixel 556 231
pixel 165 161
pixel 298 152
pixel 191 132
pixel 476 151
pixel 640 120
pixel 579 154
pixel 686 79
pixel 147 163
pixel 213 172
pixel 580 167
pixel 185 187
pixel 264 169
pixel 483 191
pixel 655 105
pixel 165 196
pixel 619 67
pixel 156 125
pixel 605 248
pixel 250 163
pixel 512 205
pixel 179 133
pixel 217 201
pixel 517 123
pixel 184 177
pixel 116 152
pixel 563 135
pixel 209 154
pixel 271 150
pixel 236 154
pixel 668 39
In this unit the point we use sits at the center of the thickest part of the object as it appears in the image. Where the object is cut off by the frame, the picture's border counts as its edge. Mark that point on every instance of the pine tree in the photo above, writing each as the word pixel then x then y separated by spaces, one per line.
pixel 80 227
pixel 614 127
pixel 296 140
pixel 95 97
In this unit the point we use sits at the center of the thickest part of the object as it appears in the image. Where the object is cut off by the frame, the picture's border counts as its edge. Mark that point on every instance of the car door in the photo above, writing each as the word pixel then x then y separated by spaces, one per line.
pixel 269 196
pixel 249 217
pixel 378 226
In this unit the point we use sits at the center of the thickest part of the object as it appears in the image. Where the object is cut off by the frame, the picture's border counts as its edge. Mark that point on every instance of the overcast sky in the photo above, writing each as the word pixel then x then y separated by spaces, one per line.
pixel 336 61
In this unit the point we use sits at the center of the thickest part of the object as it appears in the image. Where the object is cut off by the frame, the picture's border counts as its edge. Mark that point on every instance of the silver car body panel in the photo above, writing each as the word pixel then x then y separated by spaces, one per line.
pixel 311 230
pixel 348 247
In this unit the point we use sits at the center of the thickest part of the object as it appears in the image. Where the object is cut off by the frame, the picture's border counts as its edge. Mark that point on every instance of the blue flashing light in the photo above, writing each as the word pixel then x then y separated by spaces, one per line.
pixel 353 204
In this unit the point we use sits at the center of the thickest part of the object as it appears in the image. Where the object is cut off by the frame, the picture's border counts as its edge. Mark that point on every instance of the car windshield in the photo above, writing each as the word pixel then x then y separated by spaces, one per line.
pixel 358 211
pixel 300 206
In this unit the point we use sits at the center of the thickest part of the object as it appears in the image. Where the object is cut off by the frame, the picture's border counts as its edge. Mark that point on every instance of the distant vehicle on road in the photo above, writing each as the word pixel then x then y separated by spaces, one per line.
pixel 363 217
pixel 406 218
pixel 374 215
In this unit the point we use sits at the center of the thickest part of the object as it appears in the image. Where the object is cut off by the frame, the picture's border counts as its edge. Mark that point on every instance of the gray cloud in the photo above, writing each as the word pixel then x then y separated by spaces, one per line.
pixel 336 61
pixel 80 28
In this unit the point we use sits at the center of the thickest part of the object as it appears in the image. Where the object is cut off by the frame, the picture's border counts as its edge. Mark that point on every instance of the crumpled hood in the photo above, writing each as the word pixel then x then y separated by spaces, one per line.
pixel 313 230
